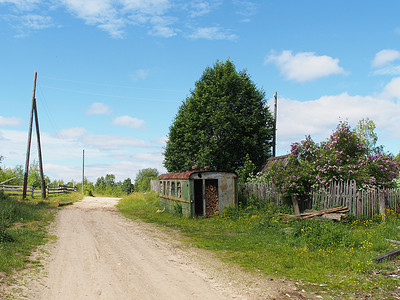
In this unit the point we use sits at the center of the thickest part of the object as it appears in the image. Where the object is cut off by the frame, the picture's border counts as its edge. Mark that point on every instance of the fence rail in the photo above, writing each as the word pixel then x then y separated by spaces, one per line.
pixel 362 202
pixel 32 191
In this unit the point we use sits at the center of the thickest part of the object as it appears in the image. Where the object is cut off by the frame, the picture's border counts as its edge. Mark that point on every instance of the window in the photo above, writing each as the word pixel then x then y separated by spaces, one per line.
pixel 173 188
pixel 168 188
pixel 178 189
pixel 164 191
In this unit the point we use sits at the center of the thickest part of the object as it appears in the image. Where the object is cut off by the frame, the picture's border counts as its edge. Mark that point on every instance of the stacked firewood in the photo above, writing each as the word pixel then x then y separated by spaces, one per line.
pixel 212 205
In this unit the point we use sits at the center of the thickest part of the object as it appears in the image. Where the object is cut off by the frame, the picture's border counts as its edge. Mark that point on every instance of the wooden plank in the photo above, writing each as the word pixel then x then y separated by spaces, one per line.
pixel 392 253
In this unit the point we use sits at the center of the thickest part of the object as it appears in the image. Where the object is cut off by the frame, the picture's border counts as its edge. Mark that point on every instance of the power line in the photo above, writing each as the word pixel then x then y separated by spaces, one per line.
pixel 108 95
pixel 113 85
pixel 42 100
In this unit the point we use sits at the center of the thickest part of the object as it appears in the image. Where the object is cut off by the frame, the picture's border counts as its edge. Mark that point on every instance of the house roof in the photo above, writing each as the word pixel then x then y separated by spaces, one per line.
pixel 283 159
pixel 187 174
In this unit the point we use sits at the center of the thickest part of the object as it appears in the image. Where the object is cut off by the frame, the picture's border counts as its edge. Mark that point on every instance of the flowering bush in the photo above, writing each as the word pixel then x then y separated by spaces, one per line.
pixel 342 157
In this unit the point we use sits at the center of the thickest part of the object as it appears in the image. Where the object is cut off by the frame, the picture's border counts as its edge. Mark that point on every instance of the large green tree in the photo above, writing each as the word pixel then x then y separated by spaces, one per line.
pixel 224 119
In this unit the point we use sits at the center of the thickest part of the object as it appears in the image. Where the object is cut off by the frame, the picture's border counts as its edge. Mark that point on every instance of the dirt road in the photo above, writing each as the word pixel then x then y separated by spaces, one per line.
pixel 101 255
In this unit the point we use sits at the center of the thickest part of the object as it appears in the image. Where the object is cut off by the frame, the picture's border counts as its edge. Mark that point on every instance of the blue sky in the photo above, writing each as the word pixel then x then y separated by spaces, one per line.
pixel 112 74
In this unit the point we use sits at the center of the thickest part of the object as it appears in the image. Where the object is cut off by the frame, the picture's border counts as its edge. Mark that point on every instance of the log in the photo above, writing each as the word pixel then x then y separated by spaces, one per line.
pixel 392 253
pixel 327 211
pixel 334 216
pixel 63 204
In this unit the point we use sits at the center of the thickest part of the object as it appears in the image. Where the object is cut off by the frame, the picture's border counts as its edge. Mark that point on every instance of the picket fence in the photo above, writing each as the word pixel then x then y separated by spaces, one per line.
pixel 362 202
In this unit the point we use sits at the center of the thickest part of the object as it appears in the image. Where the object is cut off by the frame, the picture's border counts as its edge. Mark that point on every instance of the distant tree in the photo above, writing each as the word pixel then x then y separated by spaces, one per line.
pixel 100 183
pixel 109 180
pixel 34 174
pixel 365 130
pixel 246 171
pixel 127 186
pixel 397 158
pixel 143 178
pixel 225 118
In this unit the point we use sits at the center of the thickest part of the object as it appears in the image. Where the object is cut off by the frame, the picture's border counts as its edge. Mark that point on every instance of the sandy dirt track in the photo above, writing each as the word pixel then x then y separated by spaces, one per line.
pixel 101 255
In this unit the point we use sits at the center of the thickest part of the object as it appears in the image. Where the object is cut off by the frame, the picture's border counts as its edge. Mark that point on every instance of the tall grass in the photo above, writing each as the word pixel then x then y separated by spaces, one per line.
pixel 23 227
pixel 336 257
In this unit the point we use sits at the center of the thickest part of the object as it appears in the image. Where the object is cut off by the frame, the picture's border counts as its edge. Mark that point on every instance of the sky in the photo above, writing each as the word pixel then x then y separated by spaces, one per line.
pixel 112 74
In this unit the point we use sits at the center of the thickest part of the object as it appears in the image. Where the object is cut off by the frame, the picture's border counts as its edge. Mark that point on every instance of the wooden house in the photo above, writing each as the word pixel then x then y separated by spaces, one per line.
pixel 198 192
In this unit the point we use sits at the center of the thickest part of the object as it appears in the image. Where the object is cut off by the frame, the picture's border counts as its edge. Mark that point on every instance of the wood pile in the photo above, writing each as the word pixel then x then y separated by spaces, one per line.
pixel 212 203
pixel 337 214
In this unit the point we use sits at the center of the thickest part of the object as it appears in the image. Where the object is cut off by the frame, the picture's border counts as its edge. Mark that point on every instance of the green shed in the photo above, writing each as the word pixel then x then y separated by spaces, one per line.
pixel 199 192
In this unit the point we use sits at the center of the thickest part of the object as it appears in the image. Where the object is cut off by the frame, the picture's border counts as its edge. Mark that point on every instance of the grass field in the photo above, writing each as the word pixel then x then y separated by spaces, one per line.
pixel 328 257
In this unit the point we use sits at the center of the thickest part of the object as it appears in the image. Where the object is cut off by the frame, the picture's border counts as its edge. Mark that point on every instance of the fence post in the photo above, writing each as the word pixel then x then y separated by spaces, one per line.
pixel 382 205
pixel 33 189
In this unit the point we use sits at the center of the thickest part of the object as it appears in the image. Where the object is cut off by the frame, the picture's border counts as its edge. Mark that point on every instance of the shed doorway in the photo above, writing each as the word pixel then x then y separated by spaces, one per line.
pixel 198 197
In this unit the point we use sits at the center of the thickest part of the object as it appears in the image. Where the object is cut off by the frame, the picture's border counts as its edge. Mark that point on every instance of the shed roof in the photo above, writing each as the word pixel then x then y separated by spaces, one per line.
pixel 187 174
pixel 283 159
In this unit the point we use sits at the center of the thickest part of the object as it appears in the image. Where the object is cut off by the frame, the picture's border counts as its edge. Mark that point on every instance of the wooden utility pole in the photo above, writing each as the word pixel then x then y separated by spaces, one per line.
pixel 274 124
pixel 42 181
pixel 28 150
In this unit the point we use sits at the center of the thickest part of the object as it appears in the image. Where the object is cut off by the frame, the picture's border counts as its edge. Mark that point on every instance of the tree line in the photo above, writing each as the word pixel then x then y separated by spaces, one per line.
pixel 104 185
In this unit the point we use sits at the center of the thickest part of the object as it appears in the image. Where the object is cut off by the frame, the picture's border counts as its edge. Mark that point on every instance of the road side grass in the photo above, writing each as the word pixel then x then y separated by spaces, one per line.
pixel 335 258
pixel 23 227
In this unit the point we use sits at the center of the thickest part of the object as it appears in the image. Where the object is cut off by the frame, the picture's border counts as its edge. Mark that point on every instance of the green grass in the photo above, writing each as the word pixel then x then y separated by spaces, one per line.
pixel 23 227
pixel 323 255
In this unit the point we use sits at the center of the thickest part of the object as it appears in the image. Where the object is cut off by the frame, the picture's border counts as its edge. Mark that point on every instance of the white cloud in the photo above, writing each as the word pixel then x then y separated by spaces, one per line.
pixel 10 121
pixel 98 108
pixel 37 22
pixel 22 4
pixel 148 157
pixel 127 121
pixel 114 16
pixel 392 89
pixel 161 141
pixel 384 57
pixel 212 33
pixel 72 133
pixel 305 66
pixel 384 62
pixel 25 24
pixel 109 142
pixel 199 8
pixel 246 8
pixel 163 31
pixel 140 74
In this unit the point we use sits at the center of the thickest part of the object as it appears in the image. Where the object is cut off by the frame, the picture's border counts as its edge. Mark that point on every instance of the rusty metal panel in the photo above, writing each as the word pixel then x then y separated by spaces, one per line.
pixel 191 174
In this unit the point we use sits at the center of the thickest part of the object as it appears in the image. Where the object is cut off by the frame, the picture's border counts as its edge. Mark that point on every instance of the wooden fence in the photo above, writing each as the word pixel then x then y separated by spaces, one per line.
pixel 32 191
pixel 155 185
pixel 361 202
